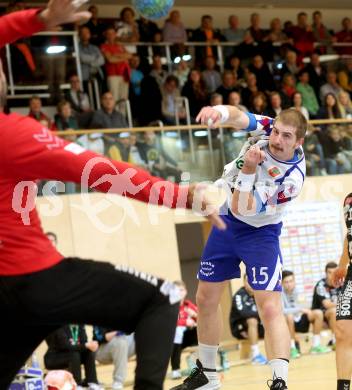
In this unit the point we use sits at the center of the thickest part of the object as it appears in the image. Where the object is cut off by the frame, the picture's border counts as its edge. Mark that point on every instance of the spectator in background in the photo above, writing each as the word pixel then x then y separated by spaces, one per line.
pixel 175 32
pixel 116 66
pixel 344 75
pixel 299 318
pixel 288 89
pixel 275 105
pixel 135 85
pixel 277 36
pixel 158 71
pixel 147 30
pixel 313 150
pixel 325 297
pixel 316 72
pixel 127 29
pixel 344 36
pixel 211 76
pixel 298 104
pixel 64 119
pixel 206 33
pixel 330 108
pixel 345 104
pixel 95 26
pixel 247 49
pixel 290 64
pixel 235 100
pixel 309 98
pixel 234 64
pixel 232 34
pixel 245 322
pixel 265 79
pixel 90 57
pixel 35 112
pixel 186 329
pixel 114 348
pixel 303 36
pixel 216 99
pixel 258 103
pixel 182 72
pixel 229 84
pixel 169 105
pixel 250 90
pixel 69 348
pixel 150 102
pixel 254 29
pixel 321 33
pixel 330 87
pixel 196 92
pixel 78 99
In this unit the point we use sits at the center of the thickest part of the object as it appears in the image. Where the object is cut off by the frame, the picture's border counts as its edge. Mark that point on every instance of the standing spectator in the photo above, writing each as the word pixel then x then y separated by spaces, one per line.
pixel 35 112
pixel 196 93
pixel 158 71
pixel 211 76
pixel 90 57
pixel 345 104
pixel 345 36
pixel 278 39
pixel 235 100
pixel 232 34
pixel 186 330
pixel 321 33
pixel 95 26
pixel 116 65
pixel 251 89
pixel 170 92
pixel 303 36
pixel 78 99
pixel 325 297
pixel 288 89
pixel 147 30
pixel 313 150
pixel 127 29
pixel 114 347
pixel 331 86
pixel 247 49
pixel 150 107
pixel 175 32
pixel 298 104
pixel 206 33
pixel 316 72
pixel 254 29
pixel 135 85
pixel 299 318
pixel 275 105
pixel 245 322
pixel 229 84
pixel 309 98
pixel 69 348
pixel 258 103
pixel 330 108
pixel 265 79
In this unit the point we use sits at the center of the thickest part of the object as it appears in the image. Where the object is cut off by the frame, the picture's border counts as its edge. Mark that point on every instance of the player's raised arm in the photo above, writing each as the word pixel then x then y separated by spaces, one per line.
pixel 218 115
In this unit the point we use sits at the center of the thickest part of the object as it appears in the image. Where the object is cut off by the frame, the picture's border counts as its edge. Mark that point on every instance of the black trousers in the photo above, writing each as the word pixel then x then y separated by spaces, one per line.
pixel 189 339
pixel 72 361
pixel 87 292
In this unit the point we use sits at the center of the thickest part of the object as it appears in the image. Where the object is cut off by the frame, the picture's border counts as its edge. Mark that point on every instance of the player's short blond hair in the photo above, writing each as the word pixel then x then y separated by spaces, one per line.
pixel 294 118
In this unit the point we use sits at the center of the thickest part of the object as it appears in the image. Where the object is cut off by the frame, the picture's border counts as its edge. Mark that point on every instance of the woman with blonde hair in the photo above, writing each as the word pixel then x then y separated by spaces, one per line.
pixel 345 104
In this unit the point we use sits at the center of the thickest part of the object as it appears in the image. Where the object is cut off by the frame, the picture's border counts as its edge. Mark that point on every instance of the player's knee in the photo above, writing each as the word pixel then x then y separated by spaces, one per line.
pixel 341 331
pixel 270 311
pixel 205 301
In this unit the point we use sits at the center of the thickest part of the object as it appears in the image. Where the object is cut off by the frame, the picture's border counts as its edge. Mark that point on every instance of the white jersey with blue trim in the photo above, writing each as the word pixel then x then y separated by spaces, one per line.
pixel 276 183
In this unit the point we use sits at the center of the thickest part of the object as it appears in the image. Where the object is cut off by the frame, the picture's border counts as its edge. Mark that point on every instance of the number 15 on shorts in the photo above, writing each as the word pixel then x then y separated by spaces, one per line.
pixel 260 278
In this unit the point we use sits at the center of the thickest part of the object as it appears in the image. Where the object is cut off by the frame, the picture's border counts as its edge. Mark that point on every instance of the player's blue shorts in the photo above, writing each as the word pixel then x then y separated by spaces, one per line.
pixel 258 248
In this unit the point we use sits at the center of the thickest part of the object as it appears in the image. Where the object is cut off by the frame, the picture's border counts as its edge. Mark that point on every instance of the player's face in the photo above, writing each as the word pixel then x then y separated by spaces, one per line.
pixel 283 141
pixel 3 87
pixel 289 283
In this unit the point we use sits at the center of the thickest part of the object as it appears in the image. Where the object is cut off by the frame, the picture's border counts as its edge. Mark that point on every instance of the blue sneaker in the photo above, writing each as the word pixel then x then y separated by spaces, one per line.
pixel 259 360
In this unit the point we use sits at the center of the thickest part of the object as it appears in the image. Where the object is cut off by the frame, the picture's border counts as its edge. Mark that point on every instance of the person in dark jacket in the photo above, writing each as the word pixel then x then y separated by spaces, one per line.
pixel 245 322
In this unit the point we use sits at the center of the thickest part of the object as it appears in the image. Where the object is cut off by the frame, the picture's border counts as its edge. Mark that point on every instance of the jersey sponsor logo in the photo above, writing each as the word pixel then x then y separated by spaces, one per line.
pixel 47 137
pixel 344 302
pixel 274 171
pixel 207 268
pixel 74 148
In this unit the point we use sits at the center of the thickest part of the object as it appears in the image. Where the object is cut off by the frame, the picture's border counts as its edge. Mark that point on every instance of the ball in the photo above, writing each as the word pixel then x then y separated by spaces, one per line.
pixel 153 9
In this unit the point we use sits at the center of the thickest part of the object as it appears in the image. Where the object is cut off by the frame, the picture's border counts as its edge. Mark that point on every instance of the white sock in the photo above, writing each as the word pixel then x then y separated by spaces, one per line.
pixel 255 350
pixel 293 344
pixel 279 368
pixel 316 340
pixel 207 355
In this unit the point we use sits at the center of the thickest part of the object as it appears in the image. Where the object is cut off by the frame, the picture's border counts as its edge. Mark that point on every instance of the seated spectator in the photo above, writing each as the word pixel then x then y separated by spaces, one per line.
pixel 325 297
pixel 78 99
pixel 114 348
pixel 235 67
pixel 229 84
pixel 216 99
pixel 258 103
pixel 336 150
pixel 95 26
pixel 245 322
pixel 290 65
pixel 90 57
pixel 344 36
pixel 316 72
pixel 169 105
pixel 288 89
pixel 158 161
pixel 69 348
pixel 196 93
pixel 330 87
pixel 235 100
pixel 345 104
pixel 250 90
pixel 303 36
pixel 232 34
pixel 127 29
pixel 309 98
pixel 186 330
pixel 211 76
pixel 65 120
pixel 182 72
pixel 344 75
pixel 320 31
pixel 330 108
pixel 116 65
pixel 298 104
pixel 35 112
pixel 175 32
pixel 299 318
pixel 313 151
pixel 206 33
pixel 275 105
pixel 158 71
pixel 265 79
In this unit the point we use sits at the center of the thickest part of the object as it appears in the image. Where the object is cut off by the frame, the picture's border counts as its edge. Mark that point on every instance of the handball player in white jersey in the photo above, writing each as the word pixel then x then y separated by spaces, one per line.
pixel 268 173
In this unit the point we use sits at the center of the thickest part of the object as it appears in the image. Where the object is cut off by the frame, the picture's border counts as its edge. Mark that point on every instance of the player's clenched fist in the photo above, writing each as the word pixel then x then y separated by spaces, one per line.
pixel 253 157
